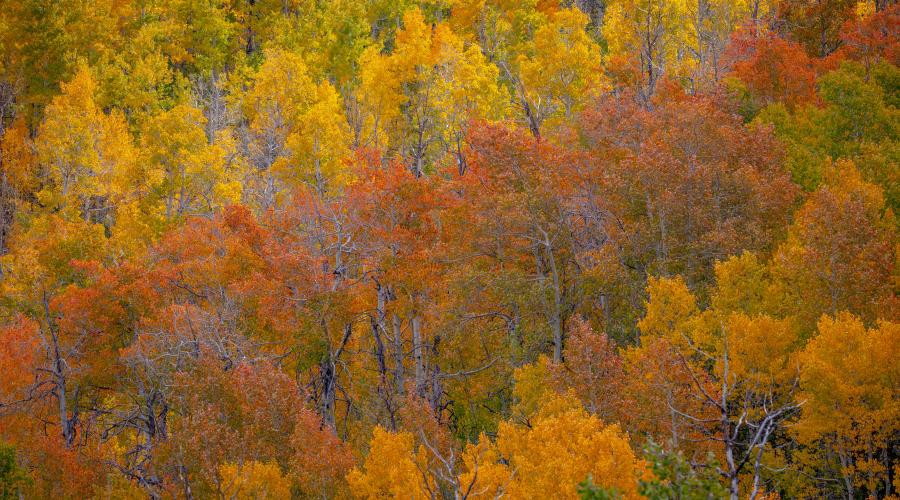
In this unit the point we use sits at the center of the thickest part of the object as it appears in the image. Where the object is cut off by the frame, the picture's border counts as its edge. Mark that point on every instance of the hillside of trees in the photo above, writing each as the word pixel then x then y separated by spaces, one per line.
pixel 449 249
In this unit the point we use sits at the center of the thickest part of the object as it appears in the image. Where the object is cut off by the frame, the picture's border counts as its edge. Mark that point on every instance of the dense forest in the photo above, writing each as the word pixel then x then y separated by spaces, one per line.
pixel 449 249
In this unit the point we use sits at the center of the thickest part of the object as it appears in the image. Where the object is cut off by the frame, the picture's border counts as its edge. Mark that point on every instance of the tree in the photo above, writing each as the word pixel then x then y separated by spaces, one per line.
pixel 273 111
pixel 44 42
pixel 742 369
pixel 593 369
pixel 670 191
pixel 839 255
pixel 185 175
pixel 62 351
pixel 400 230
pixel 856 123
pixel 558 71
pixel 20 174
pixel 650 39
pixel 82 150
pixel 254 481
pixel 851 392
pixel 391 469
pixel 317 149
pixel 817 24
pixel 775 70
pixel 518 203
pixel 421 96
pixel 448 248
pixel 318 473
pixel 868 38
pixel 201 34
pixel 560 447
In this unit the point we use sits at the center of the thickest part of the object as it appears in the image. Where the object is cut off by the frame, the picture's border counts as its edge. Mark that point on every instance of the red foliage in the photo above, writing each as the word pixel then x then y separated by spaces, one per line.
pixel 774 69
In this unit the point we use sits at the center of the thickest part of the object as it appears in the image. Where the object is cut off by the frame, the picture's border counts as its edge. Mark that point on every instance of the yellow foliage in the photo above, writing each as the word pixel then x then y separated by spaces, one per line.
pixel 838 253
pixel 81 148
pixel 532 382
pixel 560 449
pixel 850 377
pixel 561 67
pixel 319 144
pixel 761 351
pixel 865 8
pixel 380 92
pixel 299 130
pixel 742 283
pixel 183 172
pixel 41 255
pixel 669 307
pixel 18 158
pixel 254 481
pixel 676 37
pixel 760 347
pixel 273 106
pixel 849 385
pixel 390 469
pixel 440 81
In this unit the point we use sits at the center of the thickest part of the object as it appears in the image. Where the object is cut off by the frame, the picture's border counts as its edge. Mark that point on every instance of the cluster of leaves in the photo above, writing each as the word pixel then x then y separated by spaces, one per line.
pixel 449 249
pixel 13 480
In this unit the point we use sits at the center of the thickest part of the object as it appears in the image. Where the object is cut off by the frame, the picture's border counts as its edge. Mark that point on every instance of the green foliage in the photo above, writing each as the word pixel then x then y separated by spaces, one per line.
pixel 856 111
pixel 13 479
pixel 859 121
pixel 587 490
pixel 676 478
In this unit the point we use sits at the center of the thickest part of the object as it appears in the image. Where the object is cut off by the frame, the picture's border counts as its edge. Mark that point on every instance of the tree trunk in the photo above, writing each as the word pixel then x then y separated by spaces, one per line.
pixel 399 377
pixel 556 317
pixel 58 370
pixel 418 354
pixel 533 124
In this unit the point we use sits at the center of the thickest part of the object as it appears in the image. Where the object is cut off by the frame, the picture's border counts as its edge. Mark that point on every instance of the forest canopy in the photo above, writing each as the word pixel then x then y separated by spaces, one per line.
pixel 449 249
